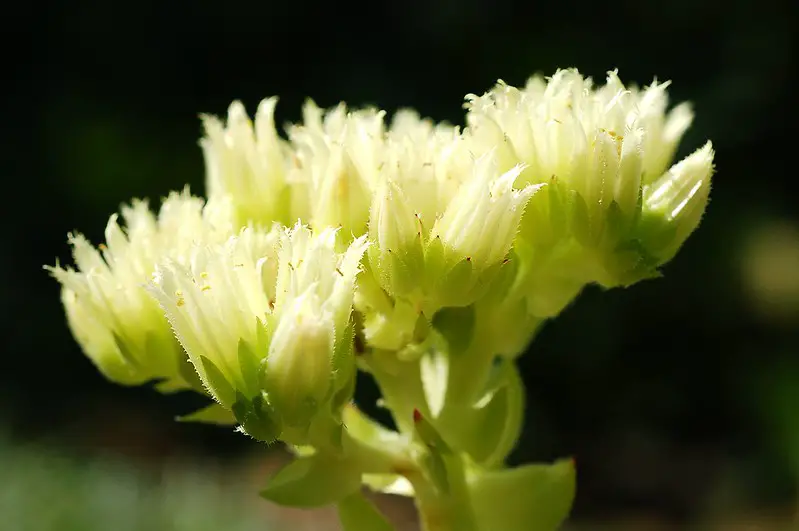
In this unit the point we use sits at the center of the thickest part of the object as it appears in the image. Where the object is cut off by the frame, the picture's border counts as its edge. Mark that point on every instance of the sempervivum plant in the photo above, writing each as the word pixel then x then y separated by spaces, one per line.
pixel 420 253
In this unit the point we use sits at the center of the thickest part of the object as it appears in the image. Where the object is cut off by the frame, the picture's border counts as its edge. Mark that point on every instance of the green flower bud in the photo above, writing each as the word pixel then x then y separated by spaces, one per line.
pixel 392 226
pixel 299 373
pixel 674 204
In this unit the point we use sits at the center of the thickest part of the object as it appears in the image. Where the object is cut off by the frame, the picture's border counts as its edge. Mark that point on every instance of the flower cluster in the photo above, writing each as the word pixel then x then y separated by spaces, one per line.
pixel 420 252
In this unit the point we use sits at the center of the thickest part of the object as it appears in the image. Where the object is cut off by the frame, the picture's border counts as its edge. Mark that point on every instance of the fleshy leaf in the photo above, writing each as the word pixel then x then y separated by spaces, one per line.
pixel 217 382
pixel 211 414
pixel 256 418
pixel 456 324
pixel 126 353
pixel 359 514
pixel 528 498
pixel 428 434
pixel 389 484
pixel 434 369
pixel 249 366
pixel 313 481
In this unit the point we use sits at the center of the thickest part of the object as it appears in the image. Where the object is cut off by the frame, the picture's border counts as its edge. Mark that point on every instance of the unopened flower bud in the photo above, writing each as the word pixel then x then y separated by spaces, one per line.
pixel 392 224
pixel 673 205
pixel 299 370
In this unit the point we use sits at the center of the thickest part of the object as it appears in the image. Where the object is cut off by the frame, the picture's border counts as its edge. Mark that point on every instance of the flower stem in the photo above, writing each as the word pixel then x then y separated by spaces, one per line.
pixel 444 511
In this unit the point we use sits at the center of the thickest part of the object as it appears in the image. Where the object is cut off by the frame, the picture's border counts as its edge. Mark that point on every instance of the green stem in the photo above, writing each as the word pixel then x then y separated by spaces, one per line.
pixel 400 386
pixel 444 511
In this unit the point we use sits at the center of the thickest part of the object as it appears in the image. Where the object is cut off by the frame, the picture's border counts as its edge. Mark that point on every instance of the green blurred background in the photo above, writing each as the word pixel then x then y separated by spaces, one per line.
pixel 678 397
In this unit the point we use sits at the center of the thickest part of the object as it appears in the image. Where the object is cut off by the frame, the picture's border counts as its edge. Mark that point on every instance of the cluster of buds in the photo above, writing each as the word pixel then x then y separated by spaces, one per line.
pixel 424 254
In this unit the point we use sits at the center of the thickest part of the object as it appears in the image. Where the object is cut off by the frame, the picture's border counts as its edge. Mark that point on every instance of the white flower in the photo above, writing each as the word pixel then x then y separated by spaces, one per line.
pixel 600 142
pixel 222 297
pixel 267 313
pixel 392 222
pixel 480 223
pixel 248 163
pixel 120 328
pixel 338 154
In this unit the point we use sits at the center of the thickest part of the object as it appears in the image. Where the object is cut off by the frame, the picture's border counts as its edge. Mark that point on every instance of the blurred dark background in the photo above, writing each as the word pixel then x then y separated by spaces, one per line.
pixel 678 397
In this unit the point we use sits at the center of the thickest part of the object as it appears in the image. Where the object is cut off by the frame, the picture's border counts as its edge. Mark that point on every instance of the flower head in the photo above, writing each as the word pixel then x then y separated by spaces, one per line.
pixel 599 149
pixel 120 328
pixel 264 319
pixel 248 162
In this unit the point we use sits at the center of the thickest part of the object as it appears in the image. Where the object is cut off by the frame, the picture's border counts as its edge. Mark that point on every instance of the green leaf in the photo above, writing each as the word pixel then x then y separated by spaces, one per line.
pixel 456 284
pixel 366 429
pixel 558 216
pixel 456 325
pixel 249 366
pixel 126 353
pixel 579 219
pixel 533 497
pixel 389 484
pixel 435 468
pixel 217 382
pixel 428 434
pixel 256 418
pixel 359 514
pixel 211 414
pixel 313 481
pixel 434 370
pixel 189 373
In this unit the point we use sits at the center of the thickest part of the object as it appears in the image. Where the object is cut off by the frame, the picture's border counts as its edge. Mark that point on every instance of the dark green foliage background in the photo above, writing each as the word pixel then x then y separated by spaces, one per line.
pixel 677 397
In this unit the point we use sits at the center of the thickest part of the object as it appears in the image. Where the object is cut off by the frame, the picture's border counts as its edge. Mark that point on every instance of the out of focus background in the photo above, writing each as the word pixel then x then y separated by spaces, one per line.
pixel 678 397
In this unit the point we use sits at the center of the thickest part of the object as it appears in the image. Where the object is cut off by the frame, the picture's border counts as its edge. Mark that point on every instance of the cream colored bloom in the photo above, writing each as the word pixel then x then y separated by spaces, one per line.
pixel 480 223
pixel 222 296
pixel 120 328
pixel 602 143
pixel 249 162
pixel 267 313
pixel 339 155
pixel 550 124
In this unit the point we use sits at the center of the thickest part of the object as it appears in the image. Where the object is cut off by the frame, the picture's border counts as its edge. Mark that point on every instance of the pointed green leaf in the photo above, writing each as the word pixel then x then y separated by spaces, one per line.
pixel 171 386
pixel 456 284
pixel 513 416
pixel 435 468
pixel 313 481
pixel 248 365
pixel 359 514
pixel 125 351
pixel 456 325
pixel 428 434
pixel 189 373
pixel 256 418
pixel 558 218
pixel 528 498
pixel 217 382
pixel 580 221
pixel 211 414
pixel 389 484
pixel 366 429
pixel 488 429
pixel 434 370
